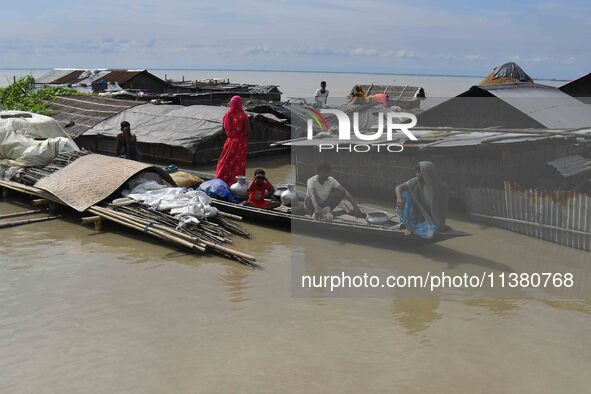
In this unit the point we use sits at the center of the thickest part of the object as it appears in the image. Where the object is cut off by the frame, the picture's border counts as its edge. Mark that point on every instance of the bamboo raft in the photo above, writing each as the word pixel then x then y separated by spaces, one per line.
pixel 207 236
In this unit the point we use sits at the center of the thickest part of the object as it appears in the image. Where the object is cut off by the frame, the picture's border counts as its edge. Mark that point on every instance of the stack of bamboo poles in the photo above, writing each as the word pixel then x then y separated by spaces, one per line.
pixel 208 235
pixel 204 237
pixel 30 175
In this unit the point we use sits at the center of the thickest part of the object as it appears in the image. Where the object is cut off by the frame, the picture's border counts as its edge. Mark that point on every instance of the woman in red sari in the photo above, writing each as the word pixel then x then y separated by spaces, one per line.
pixel 232 161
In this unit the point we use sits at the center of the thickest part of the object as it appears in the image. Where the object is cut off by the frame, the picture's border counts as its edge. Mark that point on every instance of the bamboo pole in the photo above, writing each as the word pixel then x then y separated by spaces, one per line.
pixel 177 234
pixel 156 233
pixel 23 213
pixel 27 221
pixel 117 219
pixel 229 216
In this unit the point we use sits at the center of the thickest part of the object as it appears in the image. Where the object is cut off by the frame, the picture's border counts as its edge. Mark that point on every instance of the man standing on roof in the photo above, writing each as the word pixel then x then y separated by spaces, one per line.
pixel 127 143
pixel 321 95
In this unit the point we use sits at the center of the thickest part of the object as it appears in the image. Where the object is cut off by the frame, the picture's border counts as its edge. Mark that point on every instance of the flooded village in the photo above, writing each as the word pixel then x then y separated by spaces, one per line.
pixel 515 156
pixel 514 153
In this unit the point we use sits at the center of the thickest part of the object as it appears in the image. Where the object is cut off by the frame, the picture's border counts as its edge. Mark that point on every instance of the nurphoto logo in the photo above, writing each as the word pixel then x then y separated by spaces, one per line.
pixel 392 125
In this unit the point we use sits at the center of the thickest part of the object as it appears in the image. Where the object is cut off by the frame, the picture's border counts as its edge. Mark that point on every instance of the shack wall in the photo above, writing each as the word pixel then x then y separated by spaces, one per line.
pixel 147 82
pixel 560 217
pixel 377 173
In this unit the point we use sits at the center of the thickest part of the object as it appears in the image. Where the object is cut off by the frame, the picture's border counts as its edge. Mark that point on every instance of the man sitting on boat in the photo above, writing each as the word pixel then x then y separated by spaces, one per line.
pixel 259 186
pixel 127 143
pixel 422 202
pixel 324 194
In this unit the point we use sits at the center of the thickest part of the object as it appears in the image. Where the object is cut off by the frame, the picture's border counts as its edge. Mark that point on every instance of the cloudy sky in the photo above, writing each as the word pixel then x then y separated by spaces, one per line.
pixel 452 37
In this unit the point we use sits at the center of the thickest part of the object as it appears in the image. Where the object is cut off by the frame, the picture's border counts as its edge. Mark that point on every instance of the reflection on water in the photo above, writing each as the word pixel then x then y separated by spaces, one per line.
pixel 235 283
pixel 500 307
pixel 415 314
pixel 81 309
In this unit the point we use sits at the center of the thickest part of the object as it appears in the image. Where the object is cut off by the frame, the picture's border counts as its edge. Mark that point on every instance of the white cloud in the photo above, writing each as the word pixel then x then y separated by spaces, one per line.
pixel 570 60
pixel 473 57
pixel 363 52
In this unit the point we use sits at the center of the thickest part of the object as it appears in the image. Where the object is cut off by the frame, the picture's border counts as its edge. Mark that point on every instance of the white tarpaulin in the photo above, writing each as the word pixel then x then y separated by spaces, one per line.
pixel 185 205
pixel 28 139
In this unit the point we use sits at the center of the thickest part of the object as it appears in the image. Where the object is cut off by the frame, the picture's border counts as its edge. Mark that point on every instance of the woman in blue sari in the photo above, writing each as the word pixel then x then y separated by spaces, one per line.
pixel 422 202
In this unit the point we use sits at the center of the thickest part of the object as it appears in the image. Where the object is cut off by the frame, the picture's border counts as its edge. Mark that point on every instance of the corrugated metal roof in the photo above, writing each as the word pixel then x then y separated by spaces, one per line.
pixel 449 137
pixel 571 165
pixel 85 111
pixel 584 78
pixel 121 76
pixel 545 104
pixel 53 75
pixel 69 76
pixel 405 92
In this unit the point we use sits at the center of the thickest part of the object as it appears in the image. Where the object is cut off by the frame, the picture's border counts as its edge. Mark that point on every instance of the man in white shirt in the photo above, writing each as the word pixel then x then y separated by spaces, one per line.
pixel 321 95
pixel 324 193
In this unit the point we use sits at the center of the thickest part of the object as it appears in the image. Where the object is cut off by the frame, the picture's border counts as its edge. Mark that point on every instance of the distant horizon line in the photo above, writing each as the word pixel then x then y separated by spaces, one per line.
pixel 277 71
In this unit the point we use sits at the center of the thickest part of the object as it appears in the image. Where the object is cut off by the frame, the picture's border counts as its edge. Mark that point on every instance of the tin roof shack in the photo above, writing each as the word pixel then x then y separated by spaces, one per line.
pixel 100 80
pixel 406 97
pixel 220 96
pixel 513 105
pixel 78 114
pixel 476 158
pixel 579 88
pixel 182 134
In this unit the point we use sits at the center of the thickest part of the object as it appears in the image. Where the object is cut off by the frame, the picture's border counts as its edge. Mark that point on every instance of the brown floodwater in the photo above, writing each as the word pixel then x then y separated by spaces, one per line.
pixel 111 311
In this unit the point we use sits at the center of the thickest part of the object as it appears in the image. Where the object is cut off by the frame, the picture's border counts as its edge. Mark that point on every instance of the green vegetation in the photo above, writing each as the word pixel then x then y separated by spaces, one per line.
pixel 24 96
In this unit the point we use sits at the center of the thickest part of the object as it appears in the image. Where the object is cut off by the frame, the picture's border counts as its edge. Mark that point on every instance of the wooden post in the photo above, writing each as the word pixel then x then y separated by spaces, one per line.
pixel 97 220
pixel 40 201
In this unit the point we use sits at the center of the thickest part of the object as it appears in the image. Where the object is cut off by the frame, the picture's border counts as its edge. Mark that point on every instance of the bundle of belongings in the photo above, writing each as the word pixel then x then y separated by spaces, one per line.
pixel 189 206
pixel 29 140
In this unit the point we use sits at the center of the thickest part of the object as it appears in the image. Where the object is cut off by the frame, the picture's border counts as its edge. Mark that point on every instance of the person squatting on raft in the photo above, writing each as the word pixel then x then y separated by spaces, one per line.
pixel 324 194
pixel 232 161
pixel 421 202
pixel 257 189
pixel 127 143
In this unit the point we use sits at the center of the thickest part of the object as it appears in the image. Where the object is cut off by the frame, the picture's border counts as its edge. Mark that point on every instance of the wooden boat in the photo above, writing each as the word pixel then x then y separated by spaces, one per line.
pixel 342 225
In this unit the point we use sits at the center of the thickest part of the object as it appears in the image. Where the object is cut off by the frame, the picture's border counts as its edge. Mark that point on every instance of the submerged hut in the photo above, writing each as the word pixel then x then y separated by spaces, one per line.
pixel 509 98
pixel 182 134
pixel 579 88
pixel 100 80
pixel 514 105
pixel 507 73
pixel 476 158
pixel 404 96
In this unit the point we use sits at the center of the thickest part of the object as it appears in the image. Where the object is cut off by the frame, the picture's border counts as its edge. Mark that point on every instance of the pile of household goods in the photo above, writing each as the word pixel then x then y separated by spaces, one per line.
pixel 238 192
pixel 151 205
pixel 28 139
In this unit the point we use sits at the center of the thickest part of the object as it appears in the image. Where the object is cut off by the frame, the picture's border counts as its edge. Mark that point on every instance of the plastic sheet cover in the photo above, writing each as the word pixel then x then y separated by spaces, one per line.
pixel 28 139
pixel 174 125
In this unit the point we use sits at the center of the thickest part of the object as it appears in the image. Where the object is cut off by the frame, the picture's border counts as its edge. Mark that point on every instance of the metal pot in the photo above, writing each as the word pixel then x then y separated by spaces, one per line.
pixel 240 189
pixel 289 197
pixel 278 190
pixel 377 217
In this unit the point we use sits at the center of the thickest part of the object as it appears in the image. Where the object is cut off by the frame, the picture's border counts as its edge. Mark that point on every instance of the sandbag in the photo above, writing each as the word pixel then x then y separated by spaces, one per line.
pixel 184 179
